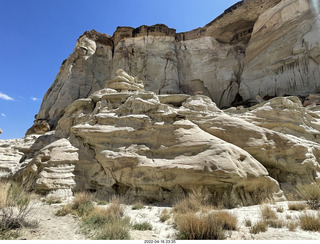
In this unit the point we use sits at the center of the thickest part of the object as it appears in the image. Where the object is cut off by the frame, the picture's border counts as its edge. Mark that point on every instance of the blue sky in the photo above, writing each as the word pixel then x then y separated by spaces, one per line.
pixel 37 35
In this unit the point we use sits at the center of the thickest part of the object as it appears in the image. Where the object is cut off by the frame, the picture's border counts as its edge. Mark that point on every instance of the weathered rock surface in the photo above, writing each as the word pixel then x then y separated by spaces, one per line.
pixel 208 59
pixel 282 57
pixel 145 135
pixel 11 152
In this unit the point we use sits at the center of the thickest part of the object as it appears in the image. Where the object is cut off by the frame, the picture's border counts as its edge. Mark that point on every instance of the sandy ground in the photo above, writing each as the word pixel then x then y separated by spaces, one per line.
pixel 51 227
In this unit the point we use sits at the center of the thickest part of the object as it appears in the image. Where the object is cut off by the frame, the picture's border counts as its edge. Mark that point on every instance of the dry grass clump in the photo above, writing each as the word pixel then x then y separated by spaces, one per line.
pixel 213 226
pixel 261 226
pixel 310 222
pixel 81 205
pixel 14 208
pixel 267 213
pixel 187 205
pixel 203 227
pixel 142 226
pixel 270 217
pixel 115 208
pixel 106 223
pixel 292 225
pixel 311 194
pixel 165 215
pixel 137 206
pixel 297 206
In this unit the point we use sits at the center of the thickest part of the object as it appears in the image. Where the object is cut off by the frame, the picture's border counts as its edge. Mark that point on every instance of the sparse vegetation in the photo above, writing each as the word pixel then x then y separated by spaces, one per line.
pixel 117 230
pixel 297 206
pixel 14 208
pixel 261 226
pixel 115 208
pixel 210 226
pixel 311 194
pixel 270 218
pixel 81 205
pixel 267 213
pixel 105 224
pixel 292 225
pixel 142 226
pixel 203 227
pixel 310 222
pixel 96 222
pixel 248 222
pixel 137 206
pixel 165 215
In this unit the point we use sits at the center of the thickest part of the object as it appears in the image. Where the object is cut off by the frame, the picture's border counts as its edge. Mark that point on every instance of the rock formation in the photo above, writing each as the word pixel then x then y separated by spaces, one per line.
pixel 144 146
pixel 282 57
pixel 208 59
pixel 159 133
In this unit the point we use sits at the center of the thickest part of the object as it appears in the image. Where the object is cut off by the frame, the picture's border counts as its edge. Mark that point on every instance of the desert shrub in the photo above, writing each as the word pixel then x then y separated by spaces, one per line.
pixel 292 225
pixel 97 218
pixel 205 226
pixel 311 194
pixel 248 222
pixel 115 208
pixel 310 222
pixel 297 206
pixel 117 230
pixel 14 206
pixel 81 205
pixel 137 206
pixel 229 221
pixel 142 226
pixel 165 215
pixel 106 223
pixel 187 205
pixel 267 213
pixel 276 223
pixel 261 226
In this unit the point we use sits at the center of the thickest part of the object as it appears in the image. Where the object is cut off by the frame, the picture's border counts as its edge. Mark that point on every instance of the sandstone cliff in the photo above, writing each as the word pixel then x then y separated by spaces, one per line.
pixel 209 59
pixel 157 132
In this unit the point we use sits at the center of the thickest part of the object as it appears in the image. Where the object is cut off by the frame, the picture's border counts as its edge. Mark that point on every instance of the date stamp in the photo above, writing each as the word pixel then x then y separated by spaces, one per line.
pixel 160 241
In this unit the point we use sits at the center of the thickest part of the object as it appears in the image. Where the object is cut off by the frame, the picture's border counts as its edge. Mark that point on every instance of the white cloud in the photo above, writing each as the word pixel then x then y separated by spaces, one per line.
pixel 5 97
pixel 35 99
pixel 3 115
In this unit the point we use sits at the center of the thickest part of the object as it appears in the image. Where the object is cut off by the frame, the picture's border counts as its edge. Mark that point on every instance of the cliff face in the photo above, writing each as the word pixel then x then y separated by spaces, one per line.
pixel 208 59
pixel 256 47
pixel 282 57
